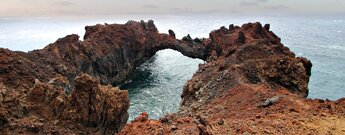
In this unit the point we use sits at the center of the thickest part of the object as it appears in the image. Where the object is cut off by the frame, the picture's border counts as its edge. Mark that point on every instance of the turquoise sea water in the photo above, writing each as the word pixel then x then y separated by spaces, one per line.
pixel 157 84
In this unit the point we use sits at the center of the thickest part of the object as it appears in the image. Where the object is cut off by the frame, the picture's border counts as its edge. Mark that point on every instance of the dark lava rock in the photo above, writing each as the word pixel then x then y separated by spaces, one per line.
pixel 172 33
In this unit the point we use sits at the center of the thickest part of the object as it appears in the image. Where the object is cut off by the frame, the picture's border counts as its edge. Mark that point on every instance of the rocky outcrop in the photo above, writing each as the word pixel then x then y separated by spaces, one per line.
pixel 242 110
pixel 48 109
pixel 109 53
pixel 250 83
pixel 112 52
pixel 103 107
pixel 247 55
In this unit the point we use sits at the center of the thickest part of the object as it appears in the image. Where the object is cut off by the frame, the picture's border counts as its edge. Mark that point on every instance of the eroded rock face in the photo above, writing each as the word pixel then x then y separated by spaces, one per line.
pixel 249 79
pixel 103 107
pixel 109 53
pixel 251 84
pixel 250 54
pixel 48 109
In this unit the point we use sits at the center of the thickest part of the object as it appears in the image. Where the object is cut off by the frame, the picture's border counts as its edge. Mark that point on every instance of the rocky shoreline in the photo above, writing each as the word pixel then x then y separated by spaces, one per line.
pixel 250 84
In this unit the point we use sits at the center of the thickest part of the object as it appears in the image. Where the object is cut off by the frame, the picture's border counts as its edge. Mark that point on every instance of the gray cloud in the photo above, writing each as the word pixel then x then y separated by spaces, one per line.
pixel 262 1
pixel 177 9
pixel 277 7
pixel 249 4
pixel 64 3
pixel 105 7
pixel 150 6
pixel 188 11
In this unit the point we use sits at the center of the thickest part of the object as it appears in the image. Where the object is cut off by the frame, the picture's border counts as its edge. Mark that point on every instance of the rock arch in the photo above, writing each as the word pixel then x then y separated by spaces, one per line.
pixel 110 53
pixel 246 55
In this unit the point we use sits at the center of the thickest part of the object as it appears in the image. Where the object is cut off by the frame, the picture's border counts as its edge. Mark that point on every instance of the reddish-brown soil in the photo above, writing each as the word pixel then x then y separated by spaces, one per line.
pixel 241 111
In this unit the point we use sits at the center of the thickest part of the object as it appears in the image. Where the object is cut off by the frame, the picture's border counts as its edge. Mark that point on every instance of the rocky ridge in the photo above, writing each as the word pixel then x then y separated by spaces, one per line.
pixel 251 84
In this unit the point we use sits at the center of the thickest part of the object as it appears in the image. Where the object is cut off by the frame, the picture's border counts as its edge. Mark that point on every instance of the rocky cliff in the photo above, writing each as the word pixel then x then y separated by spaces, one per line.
pixel 251 83
pixel 108 53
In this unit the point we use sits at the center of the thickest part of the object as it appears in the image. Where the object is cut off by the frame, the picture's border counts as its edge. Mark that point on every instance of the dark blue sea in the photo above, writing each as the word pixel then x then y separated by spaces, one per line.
pixel 158 83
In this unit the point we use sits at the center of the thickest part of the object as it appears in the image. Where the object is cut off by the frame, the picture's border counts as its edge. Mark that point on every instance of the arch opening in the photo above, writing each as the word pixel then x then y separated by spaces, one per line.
pixel 157 84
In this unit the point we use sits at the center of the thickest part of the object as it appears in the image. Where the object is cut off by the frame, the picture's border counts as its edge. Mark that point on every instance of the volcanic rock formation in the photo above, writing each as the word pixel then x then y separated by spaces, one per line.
pixel 47 108
pixel 109 53
pixel 251 83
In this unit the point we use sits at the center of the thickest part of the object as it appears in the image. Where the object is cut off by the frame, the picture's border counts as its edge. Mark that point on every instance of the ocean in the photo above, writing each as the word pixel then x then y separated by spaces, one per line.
pixel 157 84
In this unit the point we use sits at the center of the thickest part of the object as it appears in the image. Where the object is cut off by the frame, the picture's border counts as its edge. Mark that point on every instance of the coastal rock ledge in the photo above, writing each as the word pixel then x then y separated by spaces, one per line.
pixel 250 84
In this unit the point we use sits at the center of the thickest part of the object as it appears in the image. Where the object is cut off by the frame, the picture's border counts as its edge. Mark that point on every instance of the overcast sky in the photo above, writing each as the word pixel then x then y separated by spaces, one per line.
pixel 112 7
